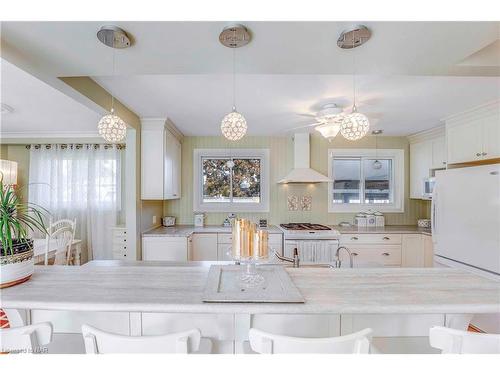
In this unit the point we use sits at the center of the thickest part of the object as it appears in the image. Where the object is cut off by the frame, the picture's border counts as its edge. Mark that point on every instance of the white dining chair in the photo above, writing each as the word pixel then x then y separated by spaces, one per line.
pixel 267 343
pixel 61 234
pixel 25 339
pixel 101 342
pixel 453 341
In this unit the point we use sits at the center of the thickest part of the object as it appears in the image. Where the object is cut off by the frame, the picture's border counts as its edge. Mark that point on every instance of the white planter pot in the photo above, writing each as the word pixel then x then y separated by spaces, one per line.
pixel 16 269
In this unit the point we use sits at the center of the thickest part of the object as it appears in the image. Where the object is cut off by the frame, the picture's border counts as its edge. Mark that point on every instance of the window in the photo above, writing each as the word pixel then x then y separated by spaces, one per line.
pixel 358 185
pixel 244 187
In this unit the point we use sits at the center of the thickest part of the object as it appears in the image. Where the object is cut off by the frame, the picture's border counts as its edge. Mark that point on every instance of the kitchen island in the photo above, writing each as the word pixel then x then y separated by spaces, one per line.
pixel 151 298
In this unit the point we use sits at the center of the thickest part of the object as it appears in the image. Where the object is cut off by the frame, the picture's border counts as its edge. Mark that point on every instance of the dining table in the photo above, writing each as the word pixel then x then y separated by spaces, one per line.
pixel 39 249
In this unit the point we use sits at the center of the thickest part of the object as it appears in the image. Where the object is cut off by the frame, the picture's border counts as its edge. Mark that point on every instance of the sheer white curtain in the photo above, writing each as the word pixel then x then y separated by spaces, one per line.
pixel 82 182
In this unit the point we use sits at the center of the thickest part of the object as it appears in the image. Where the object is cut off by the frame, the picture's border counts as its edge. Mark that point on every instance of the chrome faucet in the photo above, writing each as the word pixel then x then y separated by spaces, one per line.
pixel 295 260
pixel 338 262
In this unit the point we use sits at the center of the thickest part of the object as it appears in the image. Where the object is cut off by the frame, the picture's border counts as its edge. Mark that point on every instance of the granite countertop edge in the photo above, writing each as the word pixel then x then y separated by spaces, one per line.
pixel 188 230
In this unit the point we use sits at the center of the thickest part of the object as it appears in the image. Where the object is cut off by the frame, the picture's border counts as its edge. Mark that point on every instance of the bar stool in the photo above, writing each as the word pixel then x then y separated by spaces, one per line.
pixel 453 341
pixel 267 343
pixel 100 342
pixel 25 339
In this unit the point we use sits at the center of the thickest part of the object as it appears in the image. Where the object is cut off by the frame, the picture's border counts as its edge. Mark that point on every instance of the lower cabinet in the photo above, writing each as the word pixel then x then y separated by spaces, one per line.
pixel 389 250
pixel 204 247
pixel 165 248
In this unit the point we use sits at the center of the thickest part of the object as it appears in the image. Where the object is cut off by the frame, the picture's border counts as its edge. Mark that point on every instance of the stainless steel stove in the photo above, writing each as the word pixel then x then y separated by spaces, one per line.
pixel 308 231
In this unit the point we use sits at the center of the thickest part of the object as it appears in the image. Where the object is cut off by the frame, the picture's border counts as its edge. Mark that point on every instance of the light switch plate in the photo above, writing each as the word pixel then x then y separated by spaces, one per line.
pixel 154 219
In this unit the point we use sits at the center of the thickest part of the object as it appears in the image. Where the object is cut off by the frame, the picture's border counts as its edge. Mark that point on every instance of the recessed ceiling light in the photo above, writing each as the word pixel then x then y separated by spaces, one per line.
pixel 6 108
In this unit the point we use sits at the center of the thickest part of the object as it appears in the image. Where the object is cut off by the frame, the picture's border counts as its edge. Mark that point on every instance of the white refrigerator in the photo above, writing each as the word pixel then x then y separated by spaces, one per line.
pixel 466 218
pixel 466 225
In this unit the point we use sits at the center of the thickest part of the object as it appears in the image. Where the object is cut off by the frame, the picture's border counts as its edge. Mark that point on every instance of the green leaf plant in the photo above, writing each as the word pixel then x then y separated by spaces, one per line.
pixel 16 218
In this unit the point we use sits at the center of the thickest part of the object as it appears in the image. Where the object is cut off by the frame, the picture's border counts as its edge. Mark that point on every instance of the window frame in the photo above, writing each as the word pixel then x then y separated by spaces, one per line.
pixel 398 179
pixel 203 153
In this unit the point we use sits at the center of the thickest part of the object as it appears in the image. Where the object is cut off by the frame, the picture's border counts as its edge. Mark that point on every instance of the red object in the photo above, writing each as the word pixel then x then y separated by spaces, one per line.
pixel 4 320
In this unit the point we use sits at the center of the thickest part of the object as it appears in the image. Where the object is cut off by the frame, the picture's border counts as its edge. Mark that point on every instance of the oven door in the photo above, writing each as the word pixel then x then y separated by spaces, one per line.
pixel 312 251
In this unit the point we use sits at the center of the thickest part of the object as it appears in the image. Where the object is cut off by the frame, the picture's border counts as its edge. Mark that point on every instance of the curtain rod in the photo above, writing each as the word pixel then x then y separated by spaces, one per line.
pixel 78 146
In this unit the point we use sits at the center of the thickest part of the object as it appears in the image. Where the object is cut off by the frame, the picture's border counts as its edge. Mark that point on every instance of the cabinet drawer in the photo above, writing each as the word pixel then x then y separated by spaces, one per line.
pixel 389 255
pixel 375 238
pixel 165 248
pixel 224 238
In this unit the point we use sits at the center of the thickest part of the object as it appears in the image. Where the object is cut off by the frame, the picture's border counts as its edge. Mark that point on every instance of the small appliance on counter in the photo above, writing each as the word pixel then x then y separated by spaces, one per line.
pixel 199 219
pixel 360 220
pixel 168 221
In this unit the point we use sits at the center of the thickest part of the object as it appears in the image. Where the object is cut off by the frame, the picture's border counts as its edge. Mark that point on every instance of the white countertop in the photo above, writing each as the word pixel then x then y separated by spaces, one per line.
pixel 187 230
pixel 159 288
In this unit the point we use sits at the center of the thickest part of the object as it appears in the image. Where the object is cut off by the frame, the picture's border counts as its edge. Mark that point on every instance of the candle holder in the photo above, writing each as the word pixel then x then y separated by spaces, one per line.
pixel 250 276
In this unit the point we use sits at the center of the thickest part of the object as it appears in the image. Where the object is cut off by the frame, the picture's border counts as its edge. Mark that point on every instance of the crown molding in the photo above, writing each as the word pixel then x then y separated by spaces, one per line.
pixel 30 137
pixel 438 131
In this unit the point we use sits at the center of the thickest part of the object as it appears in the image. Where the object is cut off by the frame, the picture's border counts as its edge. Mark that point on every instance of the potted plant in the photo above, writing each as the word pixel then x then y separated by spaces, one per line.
pixel 16 248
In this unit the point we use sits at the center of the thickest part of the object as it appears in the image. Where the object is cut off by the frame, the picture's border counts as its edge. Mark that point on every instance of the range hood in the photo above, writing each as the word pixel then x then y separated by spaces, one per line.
pixel 302 173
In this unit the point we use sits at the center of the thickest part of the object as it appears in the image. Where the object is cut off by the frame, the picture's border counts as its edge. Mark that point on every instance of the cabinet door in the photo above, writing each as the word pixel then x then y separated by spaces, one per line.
pixel 176 169
pixel 412 251
pixel 428 251
pixel 438 153
pixel 152 171
pixel 420 165
pixel 491 137
pixel 165 248
pixel 224 251
pixel 204 247
pixel 464 142
pixel 168 165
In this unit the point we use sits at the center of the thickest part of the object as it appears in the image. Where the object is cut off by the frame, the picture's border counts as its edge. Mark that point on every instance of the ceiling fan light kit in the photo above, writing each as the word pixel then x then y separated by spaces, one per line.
pixel 111 127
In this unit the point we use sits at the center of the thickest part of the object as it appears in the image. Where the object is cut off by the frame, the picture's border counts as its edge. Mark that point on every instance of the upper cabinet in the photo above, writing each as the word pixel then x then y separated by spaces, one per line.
pixel 474 135
pixel 160 160
pixel 427 152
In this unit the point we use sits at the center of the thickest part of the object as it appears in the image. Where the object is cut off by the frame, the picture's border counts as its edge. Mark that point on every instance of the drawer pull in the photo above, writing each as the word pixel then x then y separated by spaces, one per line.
pixel 386 238
pixel 386 254
pixel 354 254
pixel 354 238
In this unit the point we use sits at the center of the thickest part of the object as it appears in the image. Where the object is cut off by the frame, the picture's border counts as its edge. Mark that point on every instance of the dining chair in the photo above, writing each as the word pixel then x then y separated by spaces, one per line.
pixel 25 339
pixel 454 341
pixel 101 342
pixel 267 343
pixel 61 233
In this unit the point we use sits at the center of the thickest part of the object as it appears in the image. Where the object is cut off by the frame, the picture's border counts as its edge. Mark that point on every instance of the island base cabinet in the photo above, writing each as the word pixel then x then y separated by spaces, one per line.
pixel 217 330
pixel 165 248
pixel 395 333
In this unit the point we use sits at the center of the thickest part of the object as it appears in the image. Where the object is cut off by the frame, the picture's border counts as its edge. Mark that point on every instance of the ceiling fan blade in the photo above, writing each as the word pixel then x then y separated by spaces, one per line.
pixel 310 115
pixel 305 126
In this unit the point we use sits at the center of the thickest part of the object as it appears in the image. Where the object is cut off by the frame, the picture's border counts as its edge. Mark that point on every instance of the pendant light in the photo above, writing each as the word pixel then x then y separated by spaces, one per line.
pixel 355 125
pixel 111 127
pixel 330 118
pixel 234 125
pixel 376 164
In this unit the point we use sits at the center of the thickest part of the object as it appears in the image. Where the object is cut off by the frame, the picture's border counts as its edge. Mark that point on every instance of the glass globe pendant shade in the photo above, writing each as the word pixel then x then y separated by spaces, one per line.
pixel 377 164
pixel 355 126
pixel 329 131
pixel 112 128
pixel 233 126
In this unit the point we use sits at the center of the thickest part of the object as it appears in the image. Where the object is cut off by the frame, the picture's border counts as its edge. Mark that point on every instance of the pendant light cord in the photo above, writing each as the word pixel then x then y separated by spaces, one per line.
pixel 113 74
pixel 353 74
pixel 234 79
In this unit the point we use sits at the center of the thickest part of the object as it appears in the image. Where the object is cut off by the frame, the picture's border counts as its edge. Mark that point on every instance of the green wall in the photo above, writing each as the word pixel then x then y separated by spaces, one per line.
pixel 281 160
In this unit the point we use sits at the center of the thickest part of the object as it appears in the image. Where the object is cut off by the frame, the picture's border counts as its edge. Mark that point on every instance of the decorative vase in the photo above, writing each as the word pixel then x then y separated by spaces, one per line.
pixel 18 267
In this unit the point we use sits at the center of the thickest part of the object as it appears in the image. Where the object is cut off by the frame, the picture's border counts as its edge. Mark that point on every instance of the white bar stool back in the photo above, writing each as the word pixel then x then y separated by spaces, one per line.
pixel 452 341
pixel 25 339
pixel 267 343
pixel 100 342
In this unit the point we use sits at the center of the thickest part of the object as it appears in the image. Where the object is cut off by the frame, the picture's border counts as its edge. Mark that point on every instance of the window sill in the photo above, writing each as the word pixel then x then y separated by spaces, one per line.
pixel 355 208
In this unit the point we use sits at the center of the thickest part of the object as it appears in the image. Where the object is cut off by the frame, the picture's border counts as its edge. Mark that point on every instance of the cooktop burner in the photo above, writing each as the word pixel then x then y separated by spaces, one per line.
pixel 304 226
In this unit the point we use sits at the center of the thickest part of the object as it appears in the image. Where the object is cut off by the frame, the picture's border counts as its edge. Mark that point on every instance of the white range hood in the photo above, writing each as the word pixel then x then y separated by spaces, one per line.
pixel 302 173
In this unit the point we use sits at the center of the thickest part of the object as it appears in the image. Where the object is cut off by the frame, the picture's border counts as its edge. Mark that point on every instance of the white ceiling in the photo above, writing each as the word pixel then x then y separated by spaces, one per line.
pixel 272 104
pixel 411 74
pixel 39 108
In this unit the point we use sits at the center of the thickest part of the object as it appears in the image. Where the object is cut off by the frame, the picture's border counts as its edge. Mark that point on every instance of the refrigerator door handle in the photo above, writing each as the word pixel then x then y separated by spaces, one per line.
pixel 434 210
